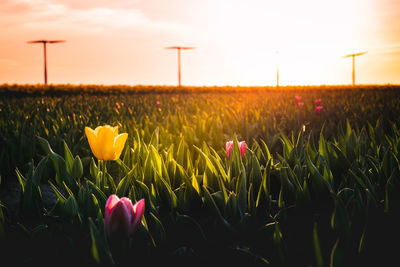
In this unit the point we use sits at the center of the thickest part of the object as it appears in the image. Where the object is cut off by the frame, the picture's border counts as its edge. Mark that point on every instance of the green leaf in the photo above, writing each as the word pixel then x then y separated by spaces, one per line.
pixel 211 203
pixel 180 154
pixel 336 258
pixel 266 150
pixel 250 200
pixel 93 170
pixel 156 227
pixel 361 244
pixel 77 169
pixel 154 141
pixel 264 183
pixel 165 189
pixel 59 195
pixel 98 193
pixel 99 250
pixel 145 192
pixel 123 165
pixel 340 219
pixel 287 146
pixel 155 159
pixel 71 207
pixel 317 247
pixel 241 189
pixel 124 184
pixel 208 181
pixel 318 180
pixel 322 149
pixel 38 173
pixel 69 158
pixel 110 183
pixel 21 179
pixel 195 184
pixel 232 208
pixel 59 165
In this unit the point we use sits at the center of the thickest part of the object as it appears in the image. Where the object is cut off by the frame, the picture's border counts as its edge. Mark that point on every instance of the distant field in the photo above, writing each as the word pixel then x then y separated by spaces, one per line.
pixel 68 89
pixel 316 186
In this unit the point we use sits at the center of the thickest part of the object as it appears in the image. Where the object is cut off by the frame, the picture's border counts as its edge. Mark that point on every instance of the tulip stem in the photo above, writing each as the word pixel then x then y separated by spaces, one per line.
pixel 98 173
pixel 101 173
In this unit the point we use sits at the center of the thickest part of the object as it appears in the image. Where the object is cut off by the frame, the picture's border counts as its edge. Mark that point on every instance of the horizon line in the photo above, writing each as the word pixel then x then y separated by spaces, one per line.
pixel 188 86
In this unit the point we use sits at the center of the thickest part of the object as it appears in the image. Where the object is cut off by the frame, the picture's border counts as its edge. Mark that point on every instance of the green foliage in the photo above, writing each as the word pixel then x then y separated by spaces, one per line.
pixel 299 196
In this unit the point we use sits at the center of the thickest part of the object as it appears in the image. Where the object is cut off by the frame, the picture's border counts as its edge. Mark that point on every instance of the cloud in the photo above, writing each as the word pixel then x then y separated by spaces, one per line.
pixel 46 14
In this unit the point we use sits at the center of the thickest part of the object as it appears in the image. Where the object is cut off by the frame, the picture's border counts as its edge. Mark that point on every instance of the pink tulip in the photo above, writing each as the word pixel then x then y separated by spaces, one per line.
pixel 300 104
pixel 158 104
pixel 318 101
pixel 318 109
pixel 229 146
pixel 297 98
pixel 242 147
pixel 121 217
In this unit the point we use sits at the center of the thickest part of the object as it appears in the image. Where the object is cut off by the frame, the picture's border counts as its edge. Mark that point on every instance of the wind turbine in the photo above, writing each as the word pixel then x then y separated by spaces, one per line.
pixel 44 42
pixel 353 56
pixel 277 69
pixel 179 48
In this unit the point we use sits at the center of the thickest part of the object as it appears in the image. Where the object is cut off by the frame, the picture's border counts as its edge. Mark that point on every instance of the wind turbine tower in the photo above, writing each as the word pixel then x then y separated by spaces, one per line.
pixel 277 69
pixel 44 42
pixel 179 48
pixel 353 56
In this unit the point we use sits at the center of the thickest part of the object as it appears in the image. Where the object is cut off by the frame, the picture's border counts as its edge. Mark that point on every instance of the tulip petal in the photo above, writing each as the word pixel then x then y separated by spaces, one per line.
pixel 129 207
pixel 242 147
pixel 228 147
pixel 114 130
pixel 105 140
pixel 138 211
pixel 119 220
pixel 119 144
pixel 96 131
pixel 92 139
pixel 110 204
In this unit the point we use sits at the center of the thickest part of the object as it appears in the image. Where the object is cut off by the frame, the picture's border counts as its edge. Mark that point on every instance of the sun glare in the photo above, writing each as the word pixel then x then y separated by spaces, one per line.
pixel 300 37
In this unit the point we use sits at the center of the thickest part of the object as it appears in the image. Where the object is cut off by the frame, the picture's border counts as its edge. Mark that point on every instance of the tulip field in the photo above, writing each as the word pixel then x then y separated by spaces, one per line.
pixel 262 176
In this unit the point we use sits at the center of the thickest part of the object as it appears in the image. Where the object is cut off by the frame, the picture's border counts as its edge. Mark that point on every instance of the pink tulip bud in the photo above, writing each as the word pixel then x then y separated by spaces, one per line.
pixel 318 109
pixel 297 98
pixel 318 101
pixel 158 104
pixel 229 146
pixel 121 217
pixel 242 147
pixel 300 104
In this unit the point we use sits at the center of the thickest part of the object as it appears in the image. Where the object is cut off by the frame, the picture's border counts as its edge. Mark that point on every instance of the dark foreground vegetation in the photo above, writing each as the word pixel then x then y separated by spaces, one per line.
pixel 315 186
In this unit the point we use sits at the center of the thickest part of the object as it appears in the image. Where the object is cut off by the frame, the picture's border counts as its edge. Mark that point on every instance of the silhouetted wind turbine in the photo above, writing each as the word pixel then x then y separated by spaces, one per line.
pixel 353 56
pixel 179 48
pixel 44 42
pixel 277 69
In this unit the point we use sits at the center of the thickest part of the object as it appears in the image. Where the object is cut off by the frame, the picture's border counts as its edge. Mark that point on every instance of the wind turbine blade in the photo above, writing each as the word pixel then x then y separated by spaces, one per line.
pixel 180 47
pixel 355 54
pixel 35 42
pixel 56 41
pixel 359 54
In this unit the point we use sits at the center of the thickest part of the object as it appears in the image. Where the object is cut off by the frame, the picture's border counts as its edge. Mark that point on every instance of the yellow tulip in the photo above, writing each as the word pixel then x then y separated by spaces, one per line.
pixel 105 142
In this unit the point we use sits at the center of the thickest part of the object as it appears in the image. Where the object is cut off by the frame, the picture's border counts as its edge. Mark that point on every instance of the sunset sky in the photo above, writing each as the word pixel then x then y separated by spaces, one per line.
pixel 237 42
